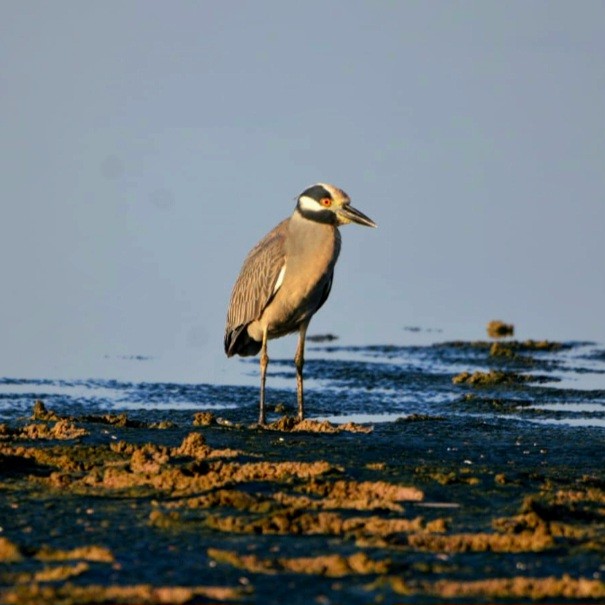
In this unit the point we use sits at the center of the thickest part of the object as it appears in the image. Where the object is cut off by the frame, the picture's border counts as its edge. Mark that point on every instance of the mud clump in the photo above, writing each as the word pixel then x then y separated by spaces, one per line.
pixel 165 520
pixel 194 446
pixel 41 586
pixel 512 349
pixel 499 329
pixel 319 495
pixel 331 565
pixel 60 430
pixel 149 459
pixel 92 554
pixel 505 350
pixel 297 522
pixel 40 412
pixel 138 594
pixel 123 421
pixel 78 563
pixel 535 589
pixel 365 495
pixel 203 419
pixel 290 424
pixel 9 551
pixel 482 542
pixel 576 515
pixel 188 468
pixel 453 477
pixel 492 378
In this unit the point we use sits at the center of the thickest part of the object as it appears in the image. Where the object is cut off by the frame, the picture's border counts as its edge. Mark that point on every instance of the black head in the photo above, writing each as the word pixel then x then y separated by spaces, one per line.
pixel 325 203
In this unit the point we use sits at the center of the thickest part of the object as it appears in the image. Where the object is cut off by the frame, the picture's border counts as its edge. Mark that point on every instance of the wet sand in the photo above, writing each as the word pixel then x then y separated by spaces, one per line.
pixel 110 508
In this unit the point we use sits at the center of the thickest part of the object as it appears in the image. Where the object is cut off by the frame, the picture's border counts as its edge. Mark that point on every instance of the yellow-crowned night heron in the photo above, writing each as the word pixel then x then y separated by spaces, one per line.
pixel 287 277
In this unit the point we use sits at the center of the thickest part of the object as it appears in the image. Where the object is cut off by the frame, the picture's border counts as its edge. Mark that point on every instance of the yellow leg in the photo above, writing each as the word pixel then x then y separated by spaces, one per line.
pixel 264 362
pixel 299 360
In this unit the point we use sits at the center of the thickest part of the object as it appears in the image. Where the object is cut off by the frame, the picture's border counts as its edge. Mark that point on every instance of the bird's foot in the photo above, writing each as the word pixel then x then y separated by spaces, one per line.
pixel 258 425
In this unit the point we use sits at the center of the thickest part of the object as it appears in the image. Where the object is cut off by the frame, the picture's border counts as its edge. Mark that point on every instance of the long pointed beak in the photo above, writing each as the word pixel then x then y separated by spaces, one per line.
pixel 353 215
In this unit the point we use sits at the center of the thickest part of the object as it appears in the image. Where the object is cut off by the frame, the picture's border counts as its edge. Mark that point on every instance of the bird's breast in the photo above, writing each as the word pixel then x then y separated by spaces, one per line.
pixel 311 254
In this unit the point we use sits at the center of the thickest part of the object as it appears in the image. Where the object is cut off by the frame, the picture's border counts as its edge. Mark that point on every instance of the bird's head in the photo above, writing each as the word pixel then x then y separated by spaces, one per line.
pixel 327 204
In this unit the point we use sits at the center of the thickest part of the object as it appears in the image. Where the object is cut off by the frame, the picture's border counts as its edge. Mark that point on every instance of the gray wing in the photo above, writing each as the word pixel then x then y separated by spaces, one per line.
pixel 255 285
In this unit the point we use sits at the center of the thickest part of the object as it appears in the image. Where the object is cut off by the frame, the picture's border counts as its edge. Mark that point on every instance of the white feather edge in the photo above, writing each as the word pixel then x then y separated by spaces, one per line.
pixel 280 279
pixel 309 204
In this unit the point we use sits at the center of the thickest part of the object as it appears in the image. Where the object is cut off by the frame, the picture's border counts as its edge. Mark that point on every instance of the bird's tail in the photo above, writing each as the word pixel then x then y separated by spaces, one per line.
pixel 239 342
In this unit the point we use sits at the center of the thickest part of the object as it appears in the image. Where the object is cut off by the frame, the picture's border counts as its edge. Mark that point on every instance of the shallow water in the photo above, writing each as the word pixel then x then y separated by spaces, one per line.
pixel 361 384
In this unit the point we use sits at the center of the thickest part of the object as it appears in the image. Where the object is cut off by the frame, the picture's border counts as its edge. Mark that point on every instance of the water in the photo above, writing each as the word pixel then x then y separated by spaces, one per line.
pixel 366 384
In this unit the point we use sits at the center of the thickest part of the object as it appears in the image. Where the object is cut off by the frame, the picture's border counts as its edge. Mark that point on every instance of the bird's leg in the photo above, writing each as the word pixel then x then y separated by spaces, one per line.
pixel 299 360
pixel 264 362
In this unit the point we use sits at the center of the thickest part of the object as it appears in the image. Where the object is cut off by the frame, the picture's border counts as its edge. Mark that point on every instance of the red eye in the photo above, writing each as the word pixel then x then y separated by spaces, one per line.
pixel 325 201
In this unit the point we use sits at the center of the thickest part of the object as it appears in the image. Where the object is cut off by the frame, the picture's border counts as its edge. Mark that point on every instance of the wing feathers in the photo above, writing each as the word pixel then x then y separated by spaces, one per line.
pixel 261 276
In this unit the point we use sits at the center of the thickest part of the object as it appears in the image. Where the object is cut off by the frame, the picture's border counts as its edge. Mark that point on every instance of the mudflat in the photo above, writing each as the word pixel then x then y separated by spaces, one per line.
pixel 488 485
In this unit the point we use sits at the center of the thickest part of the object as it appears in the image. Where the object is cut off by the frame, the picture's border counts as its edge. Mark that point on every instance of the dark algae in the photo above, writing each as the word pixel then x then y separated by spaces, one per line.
pixel 480 485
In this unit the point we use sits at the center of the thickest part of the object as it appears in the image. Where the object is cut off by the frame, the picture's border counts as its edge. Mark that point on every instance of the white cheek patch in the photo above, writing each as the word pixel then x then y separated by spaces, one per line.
pixel 309 204
pixel 280 279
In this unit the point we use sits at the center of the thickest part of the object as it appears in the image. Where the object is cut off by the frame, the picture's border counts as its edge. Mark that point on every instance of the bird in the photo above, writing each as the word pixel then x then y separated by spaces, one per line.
pixel 286 278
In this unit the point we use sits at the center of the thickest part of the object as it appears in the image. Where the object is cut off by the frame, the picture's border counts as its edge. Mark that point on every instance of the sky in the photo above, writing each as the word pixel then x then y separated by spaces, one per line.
pixel 147 146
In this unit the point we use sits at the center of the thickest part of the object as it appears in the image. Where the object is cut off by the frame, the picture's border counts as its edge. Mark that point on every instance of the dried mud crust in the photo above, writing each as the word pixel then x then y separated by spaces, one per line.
pixel 386 535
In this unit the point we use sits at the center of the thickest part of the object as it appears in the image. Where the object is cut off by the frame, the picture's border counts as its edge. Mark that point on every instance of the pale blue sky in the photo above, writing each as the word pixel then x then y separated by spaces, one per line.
pixel 146 146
